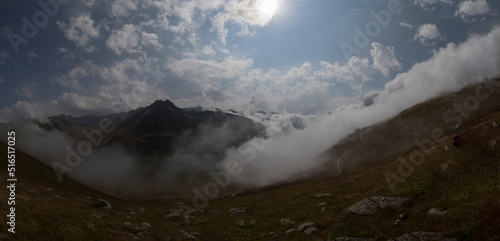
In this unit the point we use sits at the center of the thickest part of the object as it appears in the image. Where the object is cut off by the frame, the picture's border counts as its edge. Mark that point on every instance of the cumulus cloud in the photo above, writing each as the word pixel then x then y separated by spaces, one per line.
pixel 406 25
pixel 468 9
pixel 384 59
pixel 71 79
pixel 125 39
pixel 428 34
pixel 25 91
pixel 120 8
pixel 246 13
pixel 430 5
pixel 80 30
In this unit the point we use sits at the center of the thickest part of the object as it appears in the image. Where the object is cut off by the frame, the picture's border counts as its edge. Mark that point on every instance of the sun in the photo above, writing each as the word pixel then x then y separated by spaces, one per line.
pixel 268 7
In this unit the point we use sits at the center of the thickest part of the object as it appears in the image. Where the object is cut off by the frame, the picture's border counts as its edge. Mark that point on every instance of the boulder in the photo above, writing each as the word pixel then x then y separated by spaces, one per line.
pixel 101 203
pixel 369 206
pixel 304 226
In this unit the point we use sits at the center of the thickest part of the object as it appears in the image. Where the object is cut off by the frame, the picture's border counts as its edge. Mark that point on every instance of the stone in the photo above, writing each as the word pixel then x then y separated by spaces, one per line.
pixel 240 222
pixel 493 143
pixel 145 225
pixel 174 214
pixel 350 180
pixel 322 204
pixel 322 195
pixel 253 222
pixel 494 125
pixel 238 210
pixel 437 212
pixel 444 167
pixel 422 236
pixel 446 148
pixel 186 235
pixel 101 203
pixel 305 225
pixel 290 230
pixel 311 230
pixel 369 206
pixel 323 209
pixel 286 221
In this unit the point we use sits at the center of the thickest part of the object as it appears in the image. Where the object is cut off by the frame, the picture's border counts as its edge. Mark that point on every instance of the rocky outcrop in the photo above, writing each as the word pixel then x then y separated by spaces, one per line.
pixel 369 206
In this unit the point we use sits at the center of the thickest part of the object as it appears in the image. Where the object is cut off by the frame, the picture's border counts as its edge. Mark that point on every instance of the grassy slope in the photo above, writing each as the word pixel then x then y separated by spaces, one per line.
pixel 469 190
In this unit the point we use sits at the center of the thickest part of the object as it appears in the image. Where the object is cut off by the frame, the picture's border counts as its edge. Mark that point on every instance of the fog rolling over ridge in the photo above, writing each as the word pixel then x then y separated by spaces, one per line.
pixel 292 142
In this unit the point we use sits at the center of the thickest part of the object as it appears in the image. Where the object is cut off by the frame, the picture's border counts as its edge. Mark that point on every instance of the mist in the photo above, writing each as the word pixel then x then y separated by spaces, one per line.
pixel 292 143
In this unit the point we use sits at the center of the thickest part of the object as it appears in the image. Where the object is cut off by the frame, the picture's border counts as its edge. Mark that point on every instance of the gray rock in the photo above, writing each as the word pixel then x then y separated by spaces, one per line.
pixel 305 225
pixel 446 148
pixel 437 212
pixel 323 209
pixel 194 212
pixel 290 230
pixel 174 214
pixel 238 210
pixel 422 236
pixel 145 225
pixel 311 230
pixel 322 195
pixel 493 143
pixel 494 125
pixel 253 222
pixel 352 239
pixel 240 222
pixel 444 167
pixel 186 235
pixel 101 203
pixel 286 221
pixel 369 206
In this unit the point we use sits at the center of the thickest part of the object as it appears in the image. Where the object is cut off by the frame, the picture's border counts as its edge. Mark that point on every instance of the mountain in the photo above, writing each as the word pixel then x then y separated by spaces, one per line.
pixel 452 194
pixel 156 128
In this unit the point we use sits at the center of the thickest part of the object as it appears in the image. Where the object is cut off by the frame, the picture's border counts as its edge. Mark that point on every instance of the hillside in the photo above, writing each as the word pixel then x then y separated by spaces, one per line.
pixel 463 181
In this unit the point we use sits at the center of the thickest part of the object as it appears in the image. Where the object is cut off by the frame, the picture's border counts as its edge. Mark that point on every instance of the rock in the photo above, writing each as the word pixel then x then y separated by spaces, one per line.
pixel 253 222
pixel 437 212
pixel 286 221
pixel 101 203
pixel 99 215
pixel 322 195
pixel 87 198
pixel 290 230
pixel 444 167
pixel 305 225
pixel 131 213
pixel 323 209
pixel 422 236
pixel 186 235
pixel 194 212
pixel 369 206
pixel 238 210
pixel 311 230
pixel 145 225
pixel 128 217
pixel 350 180
pixel 174 214
pixel 322 204
pixel 352 239
pixel 446 148
pixel 493 143
pixel 400 218
pixel 240 222
pixel 494 125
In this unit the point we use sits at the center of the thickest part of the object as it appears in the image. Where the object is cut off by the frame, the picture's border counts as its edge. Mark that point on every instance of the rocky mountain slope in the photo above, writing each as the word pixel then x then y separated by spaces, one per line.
pixel 441 192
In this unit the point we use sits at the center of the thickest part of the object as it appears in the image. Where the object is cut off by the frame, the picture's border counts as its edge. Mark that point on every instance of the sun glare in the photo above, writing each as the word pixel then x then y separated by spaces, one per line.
pixel 268 7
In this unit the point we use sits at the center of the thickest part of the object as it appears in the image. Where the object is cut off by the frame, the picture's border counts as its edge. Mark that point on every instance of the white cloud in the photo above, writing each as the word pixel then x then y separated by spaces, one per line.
pixel 384 59
pixel 80 30
pixel 406 25
pixel 120 8
pixel 430 5
pixel 71 79
pixel 125 39
pixel 150 39
pixel 428 34
pixel 245 13
pixel 468 9
pixel 2 80
pixel 25 91
pixel 199 71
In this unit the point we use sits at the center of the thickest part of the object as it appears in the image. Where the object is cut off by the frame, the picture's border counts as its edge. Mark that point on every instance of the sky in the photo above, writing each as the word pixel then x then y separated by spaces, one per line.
pixel 84 57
